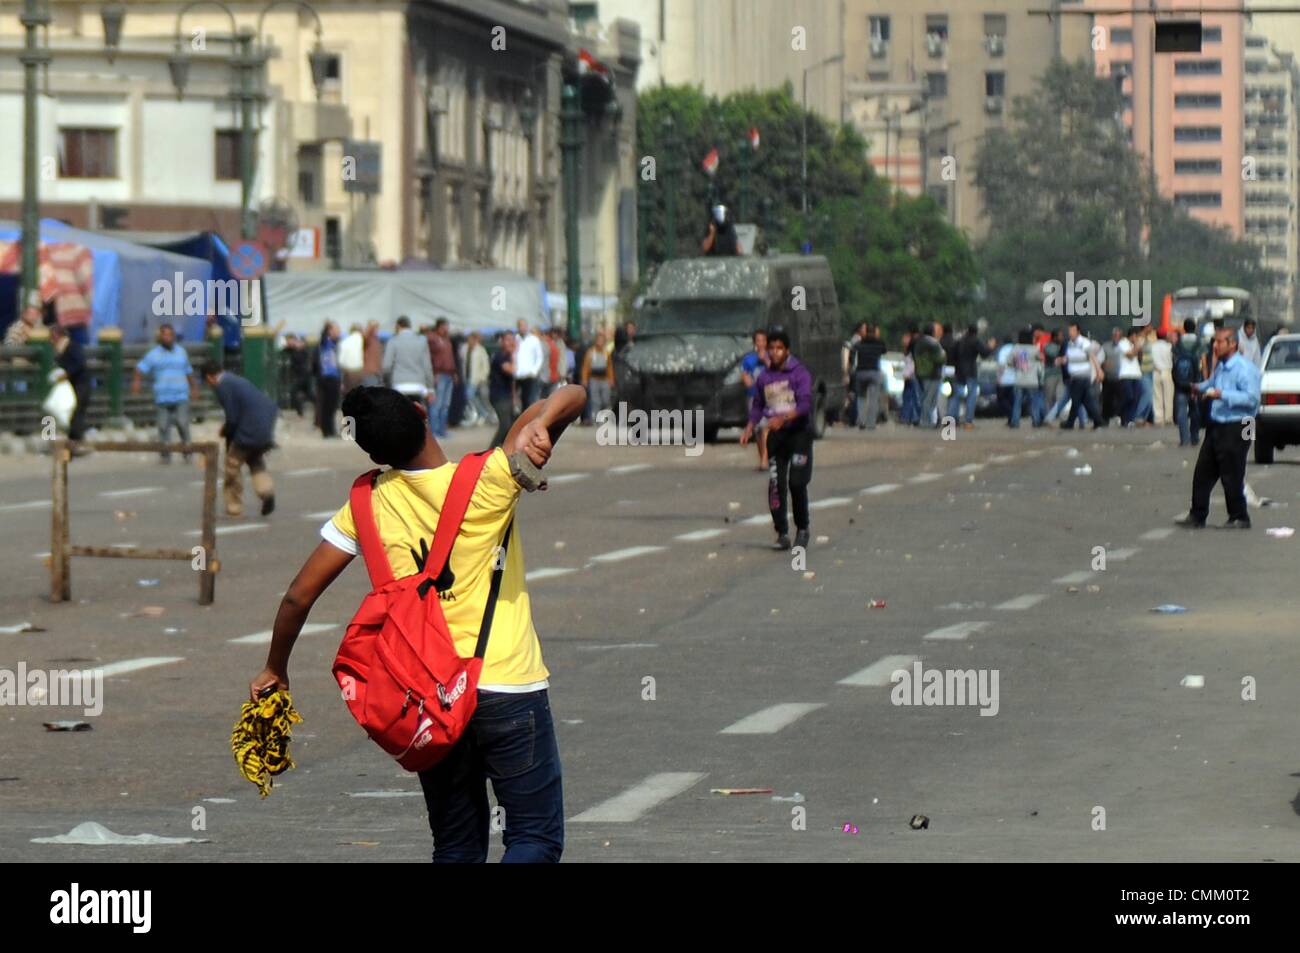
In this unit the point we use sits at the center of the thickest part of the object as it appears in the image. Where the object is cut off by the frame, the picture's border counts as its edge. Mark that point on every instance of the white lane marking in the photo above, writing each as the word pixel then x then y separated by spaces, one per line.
pixel 925 478
pixel 969 468
pixel 385 794
pixel 30 505
pixel 264 637
pixel 1022 602
pixel 1032 453
pixel 756 520
pixel 41 555
pixel 880 488
pixel 566 478
pixel 1193 681
pixel 631 552
pixel 829 502
pixel 1119 555
pixel 307 471
pixel 1074 578
pixel 1002 458
pixel 237 528
pixel 130 665
pixel 1164 532
pixel 640 799
pixel 630 468
pixel 319 515
pixel 621 645
pixel 547 572
pixel 138 491
pixel 771 720
pixel 696 535
pixel 958 631
pixel 878 673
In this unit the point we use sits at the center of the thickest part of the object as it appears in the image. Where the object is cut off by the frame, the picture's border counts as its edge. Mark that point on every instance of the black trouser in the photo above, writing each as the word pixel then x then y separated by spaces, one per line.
pixel 789 464
pixel 77 425
pixel 505 410
pixel 1081 396
pixel 1112 397
pixel 1222 459
pixel 329 405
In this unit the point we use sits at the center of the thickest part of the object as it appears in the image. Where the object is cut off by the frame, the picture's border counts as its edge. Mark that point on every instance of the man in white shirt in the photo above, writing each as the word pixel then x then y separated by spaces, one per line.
pixel 1130 375
pixel 352 358
pixel 1248 343
pixel 1080 361
pixel 1162 381
pixel 528 364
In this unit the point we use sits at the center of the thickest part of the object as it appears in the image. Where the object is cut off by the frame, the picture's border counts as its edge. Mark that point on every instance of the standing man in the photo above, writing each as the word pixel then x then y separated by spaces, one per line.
pixel 528 364
pixel 372 372
pixel 867 354
pixel 1054 391
pixel 501 387
pixel 1233 396
pixel 1162 381
pixel 1188 370
pixel 597 375
pixel 784 399
pixel 406 363
pixel 1130 376
pixel 928 358
pixel 443 360
pixel 72 359
pixel 750 367
pixel 1027 363
pixel 173 386
pixel 1248 344
pixel 249 432
pixel 477 368
pixel 1081 368
pixel 1111 389
pixel 352 358
pixel 966 379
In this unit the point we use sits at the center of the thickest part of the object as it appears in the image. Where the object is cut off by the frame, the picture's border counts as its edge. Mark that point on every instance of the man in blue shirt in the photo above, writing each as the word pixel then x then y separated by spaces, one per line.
pixel 750 365
pixel 1232 393
pixel 173 386
pixel 249 432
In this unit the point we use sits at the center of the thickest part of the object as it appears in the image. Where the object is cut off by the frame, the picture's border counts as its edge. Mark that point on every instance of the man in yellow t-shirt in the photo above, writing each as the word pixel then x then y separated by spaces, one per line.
pixel 511 738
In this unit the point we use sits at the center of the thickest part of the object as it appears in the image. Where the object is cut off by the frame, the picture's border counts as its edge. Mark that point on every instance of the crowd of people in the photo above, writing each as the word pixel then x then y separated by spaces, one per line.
pixel 1138 378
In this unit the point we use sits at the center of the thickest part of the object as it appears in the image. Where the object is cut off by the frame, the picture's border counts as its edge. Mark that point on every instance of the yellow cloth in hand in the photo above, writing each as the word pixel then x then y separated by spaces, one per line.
pixel 260 740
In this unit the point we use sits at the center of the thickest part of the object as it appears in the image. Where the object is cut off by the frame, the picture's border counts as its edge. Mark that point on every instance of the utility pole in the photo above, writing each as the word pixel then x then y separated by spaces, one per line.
pixel 570 144
pixel 35 15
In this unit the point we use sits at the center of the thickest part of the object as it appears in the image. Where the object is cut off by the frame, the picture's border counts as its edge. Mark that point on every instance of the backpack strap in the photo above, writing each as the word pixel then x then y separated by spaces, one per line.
pixel 480 649
pixel 363 516
pixel 453 511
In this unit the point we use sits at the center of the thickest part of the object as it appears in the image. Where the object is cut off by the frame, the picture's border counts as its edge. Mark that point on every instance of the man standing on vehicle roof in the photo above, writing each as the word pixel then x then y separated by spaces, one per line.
pixel 783 397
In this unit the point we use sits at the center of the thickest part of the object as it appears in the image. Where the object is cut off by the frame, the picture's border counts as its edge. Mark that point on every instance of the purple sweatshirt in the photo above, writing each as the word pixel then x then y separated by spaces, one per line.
pixel 779 392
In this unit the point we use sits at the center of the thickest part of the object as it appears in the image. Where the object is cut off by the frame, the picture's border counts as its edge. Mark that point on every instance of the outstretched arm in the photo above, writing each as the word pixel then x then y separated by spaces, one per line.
pixel 540 426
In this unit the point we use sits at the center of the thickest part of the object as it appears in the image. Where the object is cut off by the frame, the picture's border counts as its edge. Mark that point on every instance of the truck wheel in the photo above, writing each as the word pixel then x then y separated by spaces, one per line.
pixel 1263 449
pixel 819 417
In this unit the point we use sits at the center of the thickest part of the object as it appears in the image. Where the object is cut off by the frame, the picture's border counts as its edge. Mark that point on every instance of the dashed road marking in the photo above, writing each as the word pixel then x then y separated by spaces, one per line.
pixel 307 471
pixel 30 505
pixel 566 478
pixel 631 552
pixel 771 720
pixel 1164 532
pixel 630 468
pixel 620 645
pixel 880 488
pixel 756 520
pixel 638 800
pixel 137 491
pixel 954 632
pixel 1119 555
pixel 236 528
pixel 1074 578
pixel 878 674
pixel 1022 602
pixel 700 534
pixel 829 502
pixel 264 637
pixel 1002 458
pixel 925 478
pixel 969 468
pixel 130 665
pixel 319 515
pixel 547 572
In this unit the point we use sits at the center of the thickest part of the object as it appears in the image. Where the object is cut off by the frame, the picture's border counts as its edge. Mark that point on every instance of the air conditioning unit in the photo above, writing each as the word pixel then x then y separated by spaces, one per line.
pixel 993 105
pixel 934 43
pixel 995 43
pixel 879 48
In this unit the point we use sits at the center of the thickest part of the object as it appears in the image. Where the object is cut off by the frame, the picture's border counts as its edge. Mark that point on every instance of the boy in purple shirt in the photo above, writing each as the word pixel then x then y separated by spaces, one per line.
pixel 783 397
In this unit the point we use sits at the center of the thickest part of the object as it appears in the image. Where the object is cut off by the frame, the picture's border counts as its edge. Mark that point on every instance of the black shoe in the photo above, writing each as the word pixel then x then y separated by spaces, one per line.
pixel 801 538
pixel 1190 522
pixel 268 505
pixel 1237 524
pixel 783 541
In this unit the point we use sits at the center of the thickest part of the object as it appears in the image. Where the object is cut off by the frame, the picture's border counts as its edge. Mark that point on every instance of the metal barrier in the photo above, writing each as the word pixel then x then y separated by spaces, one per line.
pixel 62 550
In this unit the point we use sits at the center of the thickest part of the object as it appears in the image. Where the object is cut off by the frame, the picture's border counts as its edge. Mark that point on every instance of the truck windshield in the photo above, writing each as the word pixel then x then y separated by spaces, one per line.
pixel 714 316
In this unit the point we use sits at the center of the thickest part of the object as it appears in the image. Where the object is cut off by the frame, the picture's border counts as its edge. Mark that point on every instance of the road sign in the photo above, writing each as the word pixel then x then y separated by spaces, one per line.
pixel 248 260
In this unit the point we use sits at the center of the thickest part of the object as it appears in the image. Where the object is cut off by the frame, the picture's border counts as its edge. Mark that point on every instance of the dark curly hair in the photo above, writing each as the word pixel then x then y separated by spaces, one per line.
pixel 386 424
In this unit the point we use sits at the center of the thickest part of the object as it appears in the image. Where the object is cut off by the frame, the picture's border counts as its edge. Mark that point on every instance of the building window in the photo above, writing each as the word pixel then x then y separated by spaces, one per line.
pixel 1198 199
pixel 1211 34
pixel 995 24
pixel 936 85
pixel 88 153
pixel 309 174
pixel 1198 134
pixel 878 28
pixel 1121 36
pixel 1121 68
pixel 878 77
pixel 936 25
pixel 995 84
pixel 1198 101
pixel 227 155
pixel 1256 42
pixel 1198 166
pixel 1198 68
pixel 334 242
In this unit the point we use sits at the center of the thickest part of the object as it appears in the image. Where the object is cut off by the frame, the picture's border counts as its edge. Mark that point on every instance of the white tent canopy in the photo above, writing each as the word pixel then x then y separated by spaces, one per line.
pixel 487 300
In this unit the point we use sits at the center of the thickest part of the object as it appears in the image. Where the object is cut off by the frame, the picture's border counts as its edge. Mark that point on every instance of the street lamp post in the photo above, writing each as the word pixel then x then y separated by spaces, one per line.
pixel 570 146
pixel 36 15
pixel 803 141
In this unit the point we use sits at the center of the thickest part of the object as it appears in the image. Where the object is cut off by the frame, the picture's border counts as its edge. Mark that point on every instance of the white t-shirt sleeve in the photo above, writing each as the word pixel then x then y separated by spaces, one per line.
pixel 338 539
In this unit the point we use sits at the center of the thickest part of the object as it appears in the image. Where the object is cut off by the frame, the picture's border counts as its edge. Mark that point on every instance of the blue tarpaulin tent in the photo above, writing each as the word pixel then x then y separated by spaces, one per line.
pixel 124 275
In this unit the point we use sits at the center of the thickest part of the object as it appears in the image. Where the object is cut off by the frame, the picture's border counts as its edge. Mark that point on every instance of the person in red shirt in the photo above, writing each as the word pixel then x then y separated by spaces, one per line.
pixel 444 376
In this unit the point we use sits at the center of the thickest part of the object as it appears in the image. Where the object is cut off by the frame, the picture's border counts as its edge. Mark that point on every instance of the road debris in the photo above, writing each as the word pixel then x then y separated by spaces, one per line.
pixel 919 822
pixel 67 726
pixel 729 791
pixel 92 834
pixel 20 627
pixel 1280 532
pixel 1169 609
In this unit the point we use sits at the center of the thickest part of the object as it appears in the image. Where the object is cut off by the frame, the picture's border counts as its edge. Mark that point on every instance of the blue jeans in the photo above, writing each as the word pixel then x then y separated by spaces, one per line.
pixel 965 393
pixel 1145 399
pixel 1188 417
pixel 909 412
pixel 440 405
pixel 930 391
pixel 177 415
pixel 1035 396
pixel 510 741
pixel 1131 389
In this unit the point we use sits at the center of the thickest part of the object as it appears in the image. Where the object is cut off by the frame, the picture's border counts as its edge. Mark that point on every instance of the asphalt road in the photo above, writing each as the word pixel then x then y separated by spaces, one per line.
pixel 647 563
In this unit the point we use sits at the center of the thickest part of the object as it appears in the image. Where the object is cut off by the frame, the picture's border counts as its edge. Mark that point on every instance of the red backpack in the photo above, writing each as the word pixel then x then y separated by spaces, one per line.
pixel 397 665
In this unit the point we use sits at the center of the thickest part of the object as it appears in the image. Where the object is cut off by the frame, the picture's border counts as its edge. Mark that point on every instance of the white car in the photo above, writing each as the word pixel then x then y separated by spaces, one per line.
pixel 1277 424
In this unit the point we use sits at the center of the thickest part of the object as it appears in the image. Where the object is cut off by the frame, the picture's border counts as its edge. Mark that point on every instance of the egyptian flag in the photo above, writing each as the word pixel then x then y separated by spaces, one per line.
pixel 710 163
pixel 753 138
pixel 588 65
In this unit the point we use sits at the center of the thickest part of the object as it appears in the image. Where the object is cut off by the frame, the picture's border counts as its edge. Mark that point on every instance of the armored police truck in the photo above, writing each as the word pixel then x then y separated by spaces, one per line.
pixel 695 325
